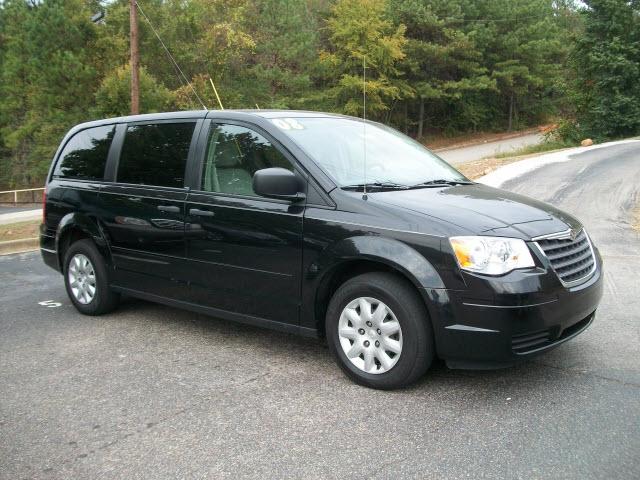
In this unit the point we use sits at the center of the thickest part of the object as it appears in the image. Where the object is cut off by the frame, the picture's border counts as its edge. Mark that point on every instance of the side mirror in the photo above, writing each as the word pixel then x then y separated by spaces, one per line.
pixel 277 183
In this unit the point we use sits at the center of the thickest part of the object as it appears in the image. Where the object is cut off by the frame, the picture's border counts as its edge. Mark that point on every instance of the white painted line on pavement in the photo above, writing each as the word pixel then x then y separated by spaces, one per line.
pixel 50 303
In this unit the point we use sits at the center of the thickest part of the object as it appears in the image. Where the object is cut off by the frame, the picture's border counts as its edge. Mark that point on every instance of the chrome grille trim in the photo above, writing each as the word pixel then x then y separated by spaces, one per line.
pixel 558 256
pixel 565 234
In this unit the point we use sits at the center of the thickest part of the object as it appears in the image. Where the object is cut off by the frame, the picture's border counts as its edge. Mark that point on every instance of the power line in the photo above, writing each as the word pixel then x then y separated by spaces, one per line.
pixel 171 56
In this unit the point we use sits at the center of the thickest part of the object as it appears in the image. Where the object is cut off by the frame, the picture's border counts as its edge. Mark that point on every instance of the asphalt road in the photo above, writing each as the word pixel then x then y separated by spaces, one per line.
pixel 17 208
pixel 476 152
pixel 153 392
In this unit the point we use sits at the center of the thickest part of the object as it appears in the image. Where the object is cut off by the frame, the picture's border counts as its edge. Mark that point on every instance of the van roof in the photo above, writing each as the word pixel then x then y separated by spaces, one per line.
pixel 230 114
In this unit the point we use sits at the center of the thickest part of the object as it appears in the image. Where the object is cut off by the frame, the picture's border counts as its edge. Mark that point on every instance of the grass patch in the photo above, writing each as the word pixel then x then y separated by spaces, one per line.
pixel 20 230
pixel 541 147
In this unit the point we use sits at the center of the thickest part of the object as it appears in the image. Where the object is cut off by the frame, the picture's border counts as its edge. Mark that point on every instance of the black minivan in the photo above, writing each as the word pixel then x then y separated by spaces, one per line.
pixel 316 224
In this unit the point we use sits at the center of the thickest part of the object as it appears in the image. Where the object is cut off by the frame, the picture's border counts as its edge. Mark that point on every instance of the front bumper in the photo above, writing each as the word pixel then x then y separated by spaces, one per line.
pixel 497 323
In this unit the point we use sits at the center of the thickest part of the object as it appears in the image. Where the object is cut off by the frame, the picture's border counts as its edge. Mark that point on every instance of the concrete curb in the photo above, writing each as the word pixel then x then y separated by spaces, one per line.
pixel 19 246
pixel 16 217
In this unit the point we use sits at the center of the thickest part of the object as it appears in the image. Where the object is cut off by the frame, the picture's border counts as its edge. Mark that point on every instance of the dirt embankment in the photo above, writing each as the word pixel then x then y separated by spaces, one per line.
pixel 478 168
pixel 635 217
pixel 15 231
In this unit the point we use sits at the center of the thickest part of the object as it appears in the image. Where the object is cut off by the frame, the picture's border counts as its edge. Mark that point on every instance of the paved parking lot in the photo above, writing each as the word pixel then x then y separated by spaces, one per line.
pixel 154 392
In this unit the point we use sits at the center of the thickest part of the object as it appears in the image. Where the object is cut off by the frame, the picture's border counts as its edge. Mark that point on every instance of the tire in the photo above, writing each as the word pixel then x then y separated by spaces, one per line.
pixel 413 339
pixel 97 300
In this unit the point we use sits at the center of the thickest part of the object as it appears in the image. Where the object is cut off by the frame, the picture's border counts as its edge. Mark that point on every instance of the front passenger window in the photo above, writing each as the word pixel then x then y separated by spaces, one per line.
pixel 234 154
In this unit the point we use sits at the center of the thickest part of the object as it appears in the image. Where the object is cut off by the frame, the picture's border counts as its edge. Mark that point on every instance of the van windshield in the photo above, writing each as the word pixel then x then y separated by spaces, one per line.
pixel 337 145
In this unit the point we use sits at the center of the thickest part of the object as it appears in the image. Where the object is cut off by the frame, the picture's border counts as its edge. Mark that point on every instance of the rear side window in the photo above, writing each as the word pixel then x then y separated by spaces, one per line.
pixel 155 154
pixel 85 155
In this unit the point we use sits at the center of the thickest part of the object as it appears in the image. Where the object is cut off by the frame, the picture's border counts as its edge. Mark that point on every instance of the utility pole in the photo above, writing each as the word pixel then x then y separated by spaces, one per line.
pixel 135 58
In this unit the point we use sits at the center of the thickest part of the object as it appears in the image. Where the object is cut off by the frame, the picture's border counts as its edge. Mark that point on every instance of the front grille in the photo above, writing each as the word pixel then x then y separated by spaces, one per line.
pixel 572 260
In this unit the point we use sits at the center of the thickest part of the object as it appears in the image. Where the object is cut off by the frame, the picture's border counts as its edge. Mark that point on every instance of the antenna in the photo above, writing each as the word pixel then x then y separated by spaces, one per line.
pixel 216 92
pixel 364 122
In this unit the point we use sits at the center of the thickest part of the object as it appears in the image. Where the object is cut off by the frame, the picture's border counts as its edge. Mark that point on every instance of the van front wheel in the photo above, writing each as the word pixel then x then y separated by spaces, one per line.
pixel 378 330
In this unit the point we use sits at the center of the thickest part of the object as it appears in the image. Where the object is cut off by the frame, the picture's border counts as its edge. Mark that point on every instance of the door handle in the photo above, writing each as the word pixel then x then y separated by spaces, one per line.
pixel 169 208
pixel 200 213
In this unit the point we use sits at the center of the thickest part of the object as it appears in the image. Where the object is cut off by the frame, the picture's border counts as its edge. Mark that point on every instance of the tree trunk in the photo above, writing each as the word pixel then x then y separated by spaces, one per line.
pixel 406 118
pixel 135 58
pixel 510 113
pixel 421 119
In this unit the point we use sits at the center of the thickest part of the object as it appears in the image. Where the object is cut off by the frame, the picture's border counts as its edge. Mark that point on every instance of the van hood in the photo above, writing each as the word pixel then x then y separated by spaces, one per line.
pixel 481 210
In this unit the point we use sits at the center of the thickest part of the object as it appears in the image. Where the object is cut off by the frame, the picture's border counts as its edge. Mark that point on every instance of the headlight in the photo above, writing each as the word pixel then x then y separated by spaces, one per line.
pixel 491 255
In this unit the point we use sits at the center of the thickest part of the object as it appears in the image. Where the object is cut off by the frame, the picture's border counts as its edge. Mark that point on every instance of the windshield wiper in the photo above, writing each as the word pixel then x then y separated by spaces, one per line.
pixel 440 181
pixel 376 186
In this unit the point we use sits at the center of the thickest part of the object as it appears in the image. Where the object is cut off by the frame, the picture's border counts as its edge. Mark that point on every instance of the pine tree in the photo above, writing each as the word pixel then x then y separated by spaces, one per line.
pixel 522 49
pixel 606 60
pixel 360 31
pixel 286 33
pixel 442 64
pixel 46 82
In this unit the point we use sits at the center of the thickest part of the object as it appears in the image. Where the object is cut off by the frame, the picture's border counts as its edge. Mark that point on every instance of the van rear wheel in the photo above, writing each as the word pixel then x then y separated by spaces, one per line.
pixel 378 330
pixel 86 279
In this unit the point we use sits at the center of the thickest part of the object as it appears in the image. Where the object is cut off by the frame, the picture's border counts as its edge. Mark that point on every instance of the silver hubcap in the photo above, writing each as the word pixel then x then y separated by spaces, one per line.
pixel 370 335
pixel 82 278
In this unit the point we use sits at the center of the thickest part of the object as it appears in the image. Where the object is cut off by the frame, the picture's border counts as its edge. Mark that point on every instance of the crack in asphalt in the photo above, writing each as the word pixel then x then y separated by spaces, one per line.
pixel 590 374
pixel 151 424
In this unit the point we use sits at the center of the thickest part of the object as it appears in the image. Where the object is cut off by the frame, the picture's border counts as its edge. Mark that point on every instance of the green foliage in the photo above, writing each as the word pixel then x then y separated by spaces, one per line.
pixel 549 144
pixel 606 60
pixel 567 131
pixel 361 34
pixel 286 42
pixel 46 82
pixel 432 65
pixel 524 49
pixel 442 64
pixel 112 97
